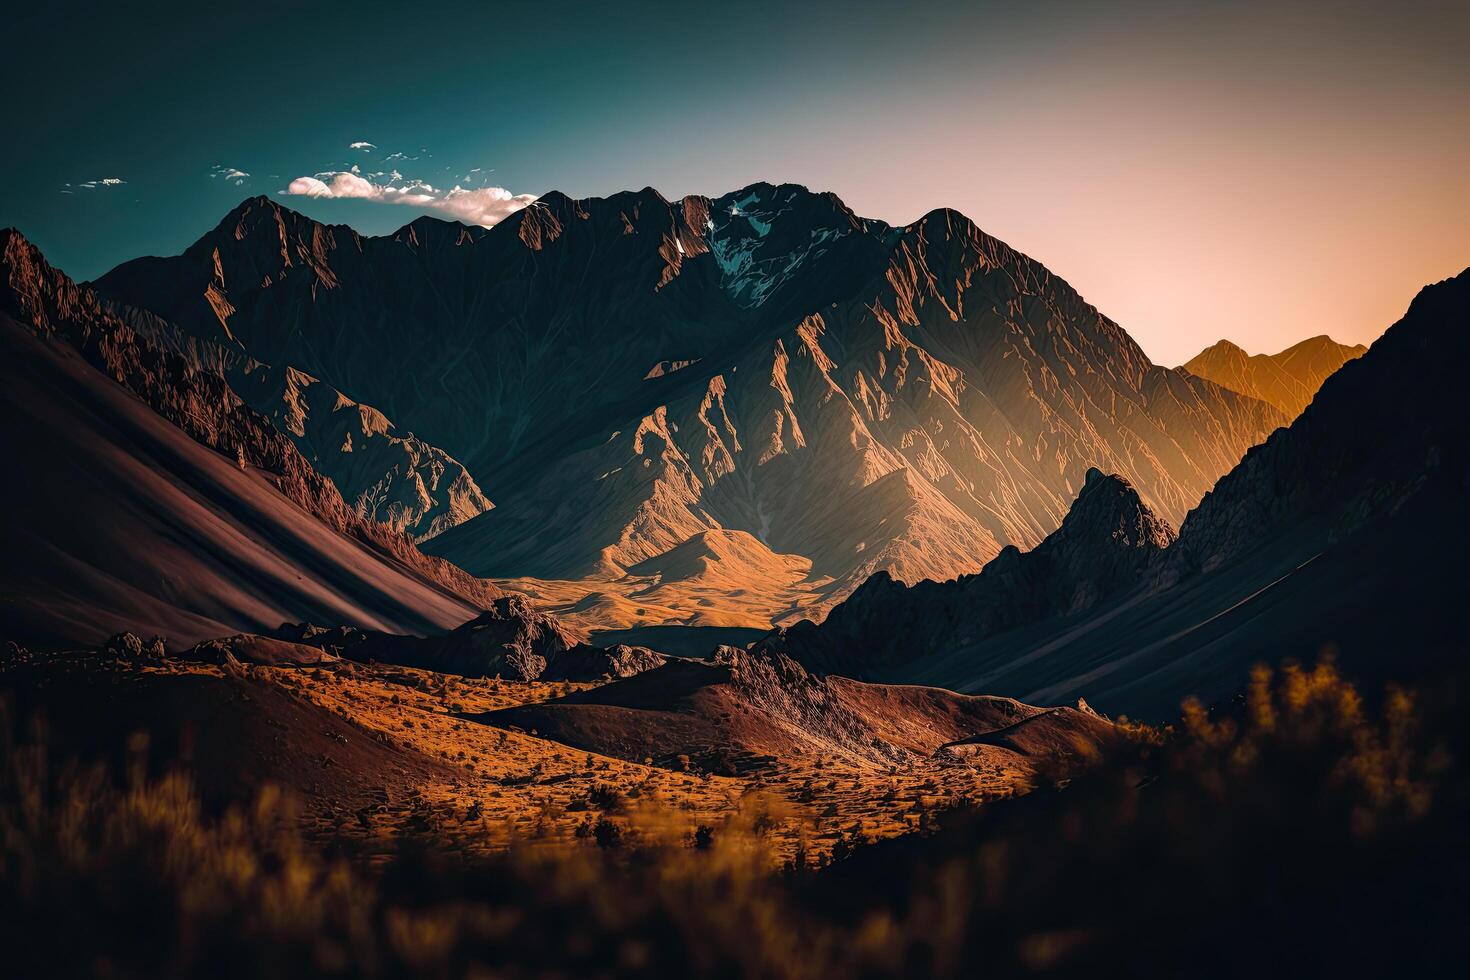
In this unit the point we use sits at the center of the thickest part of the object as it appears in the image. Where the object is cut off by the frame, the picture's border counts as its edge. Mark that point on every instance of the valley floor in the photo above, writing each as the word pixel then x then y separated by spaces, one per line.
pixel 374 753
pixel 632 601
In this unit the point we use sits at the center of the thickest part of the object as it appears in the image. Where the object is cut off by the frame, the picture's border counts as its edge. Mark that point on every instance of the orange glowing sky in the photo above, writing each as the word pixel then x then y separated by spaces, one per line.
pixel 1259 171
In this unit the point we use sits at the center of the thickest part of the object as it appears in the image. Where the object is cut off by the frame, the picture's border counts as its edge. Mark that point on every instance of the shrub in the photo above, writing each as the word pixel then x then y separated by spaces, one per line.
pixel 1301 832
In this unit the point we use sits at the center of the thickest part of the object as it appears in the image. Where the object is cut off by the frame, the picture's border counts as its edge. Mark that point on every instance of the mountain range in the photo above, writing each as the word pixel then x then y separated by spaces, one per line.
pixel 952 486
pixel 1287 380
pixel 1341 534
pixel 662 398
pixel 729 412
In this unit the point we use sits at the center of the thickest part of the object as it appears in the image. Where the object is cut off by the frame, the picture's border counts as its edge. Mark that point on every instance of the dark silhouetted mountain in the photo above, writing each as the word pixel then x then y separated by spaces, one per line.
pixel 1287 380
pixel 1344 532
pixel 1106 544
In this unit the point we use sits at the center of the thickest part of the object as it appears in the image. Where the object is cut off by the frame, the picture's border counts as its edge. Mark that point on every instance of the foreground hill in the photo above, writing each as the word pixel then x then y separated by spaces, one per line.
pixel 746 711
pixel 625 375
pixel 1287 380
pixel 1343 533
pixel 148 497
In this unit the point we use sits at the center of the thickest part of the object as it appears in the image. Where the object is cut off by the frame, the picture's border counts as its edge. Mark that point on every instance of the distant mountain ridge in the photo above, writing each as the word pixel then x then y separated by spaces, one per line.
pixel 851 395
pixel 1287 380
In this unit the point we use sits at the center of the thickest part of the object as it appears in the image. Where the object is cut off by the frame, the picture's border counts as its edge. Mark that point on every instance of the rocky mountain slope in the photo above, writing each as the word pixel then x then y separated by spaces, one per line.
pixel 624 375
pixel 1108 541
pixel 1287 380
pixel 148 496
pixel 397 480
pixel 1342 533
pixel 386 477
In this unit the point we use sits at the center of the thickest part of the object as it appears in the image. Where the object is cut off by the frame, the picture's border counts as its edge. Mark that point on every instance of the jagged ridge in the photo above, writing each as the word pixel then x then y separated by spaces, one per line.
pixel 938 393
pixel 1108 540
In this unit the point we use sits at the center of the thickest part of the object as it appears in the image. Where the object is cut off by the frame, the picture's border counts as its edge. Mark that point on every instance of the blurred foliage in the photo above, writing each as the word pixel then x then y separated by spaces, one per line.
pixel 1298 830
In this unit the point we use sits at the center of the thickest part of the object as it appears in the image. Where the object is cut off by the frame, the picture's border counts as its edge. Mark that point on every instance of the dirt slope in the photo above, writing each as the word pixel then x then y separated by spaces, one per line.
pixel 115 519
pixel 748 711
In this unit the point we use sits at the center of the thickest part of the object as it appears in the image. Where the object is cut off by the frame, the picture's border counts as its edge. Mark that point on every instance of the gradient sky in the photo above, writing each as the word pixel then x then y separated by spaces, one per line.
pixel 1258 171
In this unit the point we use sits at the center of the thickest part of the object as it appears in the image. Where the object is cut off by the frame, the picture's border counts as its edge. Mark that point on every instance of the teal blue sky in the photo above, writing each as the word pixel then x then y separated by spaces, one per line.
pixel 1261 171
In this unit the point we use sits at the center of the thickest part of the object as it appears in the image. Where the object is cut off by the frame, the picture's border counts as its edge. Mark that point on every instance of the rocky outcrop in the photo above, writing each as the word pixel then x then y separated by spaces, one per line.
pixel 1104 547
pixel 251 648
pixel 131 646
pixel 591 663
pixel 745 710
pixel 510 639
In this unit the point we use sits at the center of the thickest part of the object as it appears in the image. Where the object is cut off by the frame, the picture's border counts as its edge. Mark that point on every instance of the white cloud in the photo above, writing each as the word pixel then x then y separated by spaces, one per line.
pixel 102 182
pixel 231 174
pixel 362 145
pixel 483 206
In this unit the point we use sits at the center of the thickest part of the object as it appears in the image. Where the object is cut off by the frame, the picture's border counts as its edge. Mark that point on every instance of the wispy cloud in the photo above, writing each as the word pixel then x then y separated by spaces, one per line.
pixel 363 145
pixel 233 175
pixel 483 206
pixel 92 185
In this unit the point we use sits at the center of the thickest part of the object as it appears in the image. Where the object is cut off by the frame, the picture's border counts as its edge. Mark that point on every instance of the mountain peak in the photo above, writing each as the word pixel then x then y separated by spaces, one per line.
pixel 33 290
pixel 1223 346
pixel 1287 379
pixel 429 230
pixel 1106 542
pixel 1109 511
pixel 252 204
pixel 1364 439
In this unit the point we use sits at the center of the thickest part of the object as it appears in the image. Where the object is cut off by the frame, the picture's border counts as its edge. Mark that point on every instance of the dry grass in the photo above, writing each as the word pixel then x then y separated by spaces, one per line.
pixel 494 789
pixel 1302 832
pixel 519 789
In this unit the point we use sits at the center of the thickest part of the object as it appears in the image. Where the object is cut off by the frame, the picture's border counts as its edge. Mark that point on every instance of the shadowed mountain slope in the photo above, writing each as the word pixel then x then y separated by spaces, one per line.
pixel 385 476
pixel 152 499
pixel 1344 532
pixel 623 375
